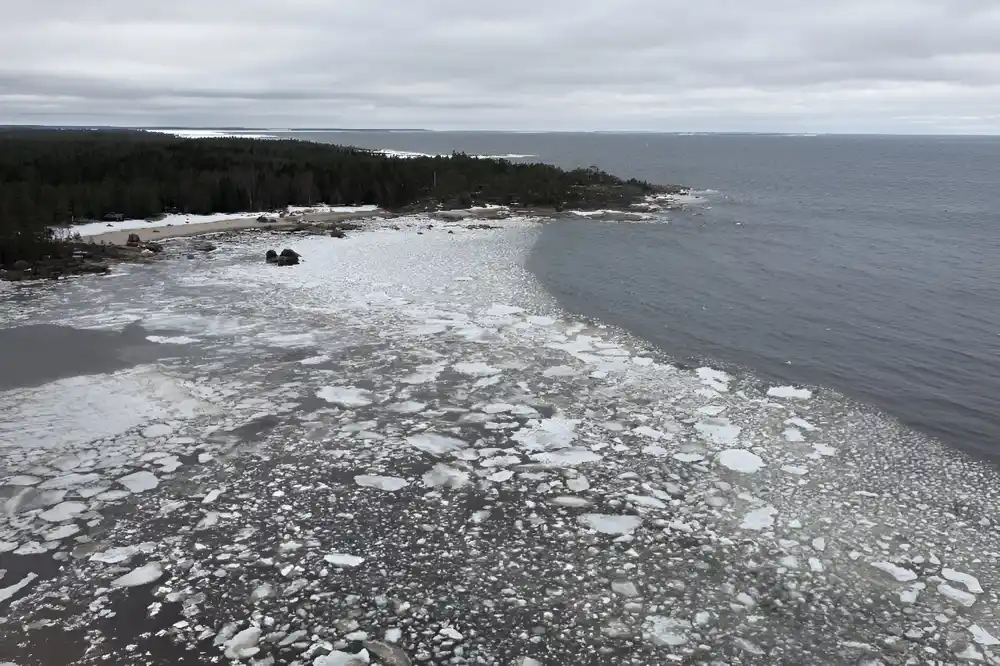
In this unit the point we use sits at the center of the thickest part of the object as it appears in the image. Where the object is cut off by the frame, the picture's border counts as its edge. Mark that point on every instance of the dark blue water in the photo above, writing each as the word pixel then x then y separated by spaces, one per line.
pixel 866 264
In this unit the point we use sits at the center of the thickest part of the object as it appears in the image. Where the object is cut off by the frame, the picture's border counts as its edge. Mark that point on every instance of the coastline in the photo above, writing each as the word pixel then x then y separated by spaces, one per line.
pixel 406 415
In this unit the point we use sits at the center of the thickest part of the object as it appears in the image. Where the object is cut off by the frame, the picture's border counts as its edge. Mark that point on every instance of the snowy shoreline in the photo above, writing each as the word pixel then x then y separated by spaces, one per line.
pixel 403 445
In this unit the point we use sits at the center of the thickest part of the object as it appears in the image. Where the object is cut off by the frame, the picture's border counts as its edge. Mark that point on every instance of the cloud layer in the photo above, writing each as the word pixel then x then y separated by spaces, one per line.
pixel 714 65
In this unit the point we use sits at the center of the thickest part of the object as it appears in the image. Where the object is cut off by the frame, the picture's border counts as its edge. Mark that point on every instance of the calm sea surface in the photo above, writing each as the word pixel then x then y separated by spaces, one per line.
pixel 866 264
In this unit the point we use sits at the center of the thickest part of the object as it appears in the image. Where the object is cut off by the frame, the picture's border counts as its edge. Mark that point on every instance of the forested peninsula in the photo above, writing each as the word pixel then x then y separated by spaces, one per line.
pixel 52 177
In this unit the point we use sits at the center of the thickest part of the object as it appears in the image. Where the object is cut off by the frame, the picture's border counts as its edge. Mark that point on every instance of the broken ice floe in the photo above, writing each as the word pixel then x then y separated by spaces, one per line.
pixel 610 524
pixel 387 483
pixel 147 573
pixel 345 396
pixel 741 460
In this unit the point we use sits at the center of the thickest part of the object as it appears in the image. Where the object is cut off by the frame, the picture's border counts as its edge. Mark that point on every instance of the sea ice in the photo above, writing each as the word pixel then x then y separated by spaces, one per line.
pixel 157 430
pixel 716 379
pixel 759 519
pixel 901 574
pixel 718 430
pixel 436 445
pixel 610 524
pixel 970 582
pixel 789 392
pixel 566 457
pixel 741 460
pixel 982 636
pixel 345 396
pixel 408 407
pixel 63 512
pixel 338 658
pixel 445 475
pixel 243 645
pixel 665 631
pixel 388 483
pixel 143 575
pixel 956 595
pixel 139 482
pixel 8 592
pixel 476 369
pixel 548 434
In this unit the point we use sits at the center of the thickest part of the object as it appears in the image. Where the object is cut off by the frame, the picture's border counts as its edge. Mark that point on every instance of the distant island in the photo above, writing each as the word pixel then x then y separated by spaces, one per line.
pixel 51 177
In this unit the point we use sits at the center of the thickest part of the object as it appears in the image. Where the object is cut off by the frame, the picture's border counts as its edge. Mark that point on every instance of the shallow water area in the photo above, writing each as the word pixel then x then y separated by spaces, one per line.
pixel 402 450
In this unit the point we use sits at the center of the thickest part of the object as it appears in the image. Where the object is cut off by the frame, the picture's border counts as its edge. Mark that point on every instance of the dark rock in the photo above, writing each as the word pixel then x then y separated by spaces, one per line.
pixel 290 253
pixel 154 247
pixel 133 240
pixel 13 276
pixel 271 257
pixel 96 269
pixel 287 261
pixel 338 233
pixel 22 265
pixel 203 246
pixel 262 218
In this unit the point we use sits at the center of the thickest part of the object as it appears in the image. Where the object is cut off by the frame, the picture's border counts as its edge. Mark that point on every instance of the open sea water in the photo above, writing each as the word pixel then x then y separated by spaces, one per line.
pixel 868 264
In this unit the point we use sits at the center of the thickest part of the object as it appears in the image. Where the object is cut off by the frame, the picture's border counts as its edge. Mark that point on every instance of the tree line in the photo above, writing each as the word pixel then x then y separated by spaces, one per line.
pixel 53 177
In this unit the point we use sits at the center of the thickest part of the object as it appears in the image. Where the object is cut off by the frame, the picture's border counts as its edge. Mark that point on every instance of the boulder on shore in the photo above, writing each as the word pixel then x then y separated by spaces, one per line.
pixel 288 258
pixel 21 265
pixel 271 257
pixel 203 246
pixel 133 240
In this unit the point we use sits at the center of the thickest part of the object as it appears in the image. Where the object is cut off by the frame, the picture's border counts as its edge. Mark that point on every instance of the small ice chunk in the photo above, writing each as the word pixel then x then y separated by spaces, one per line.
pixel 387 483
pixel 548 434
pixel 8 592
pixel 741 460
pixel 243 645
pixel 62 512
pixel 343 560
pixel 501 476
pixel 901 574
pixel 956 595
pixel 688 457
pixel 436 445
pixel 824 450
pixel 793 435
pixel 665 631
pixel 499 310
pixel 21 480
pixel 139 482
pixel 982 636
pixel 716 379
pixel 625 588
pixel 647 501
pixel 211 496
pixel 793 469
pixel 445 475
pixel 498 408
pixel 338 658
pixel 346 396
pixel 819 543
pixel 157 430
pixel 801 423
pixel 408 407
pixel 610 524
pixel 115 555
pixel 476 369
pixel 570 501
pixel 970 582
pixel 718 430
pixel 566 457
pixel 69 481
pixel 759 519
pixel 61 532
pixel 112 495
pixel 32 548
pixel 579 484
pixel 789 392
pixel 315 360
pixel 143 575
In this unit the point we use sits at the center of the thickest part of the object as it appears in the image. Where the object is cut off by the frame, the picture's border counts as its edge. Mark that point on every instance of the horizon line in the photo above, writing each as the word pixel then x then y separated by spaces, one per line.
pixel 485 131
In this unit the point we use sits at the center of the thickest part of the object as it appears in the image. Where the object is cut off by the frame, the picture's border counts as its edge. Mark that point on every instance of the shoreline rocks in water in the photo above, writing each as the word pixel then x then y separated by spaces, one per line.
pixel 79 258
pixel 287 257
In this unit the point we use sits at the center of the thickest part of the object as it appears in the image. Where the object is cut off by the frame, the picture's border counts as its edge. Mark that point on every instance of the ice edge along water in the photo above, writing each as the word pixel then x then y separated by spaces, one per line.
pixel 633 456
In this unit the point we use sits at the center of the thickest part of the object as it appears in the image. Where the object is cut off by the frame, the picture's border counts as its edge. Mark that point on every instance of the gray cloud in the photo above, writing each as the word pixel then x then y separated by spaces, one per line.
pixel 768 65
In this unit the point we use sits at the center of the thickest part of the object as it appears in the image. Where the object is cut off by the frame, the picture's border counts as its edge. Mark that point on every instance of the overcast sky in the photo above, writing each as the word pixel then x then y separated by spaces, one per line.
pixel 911 66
